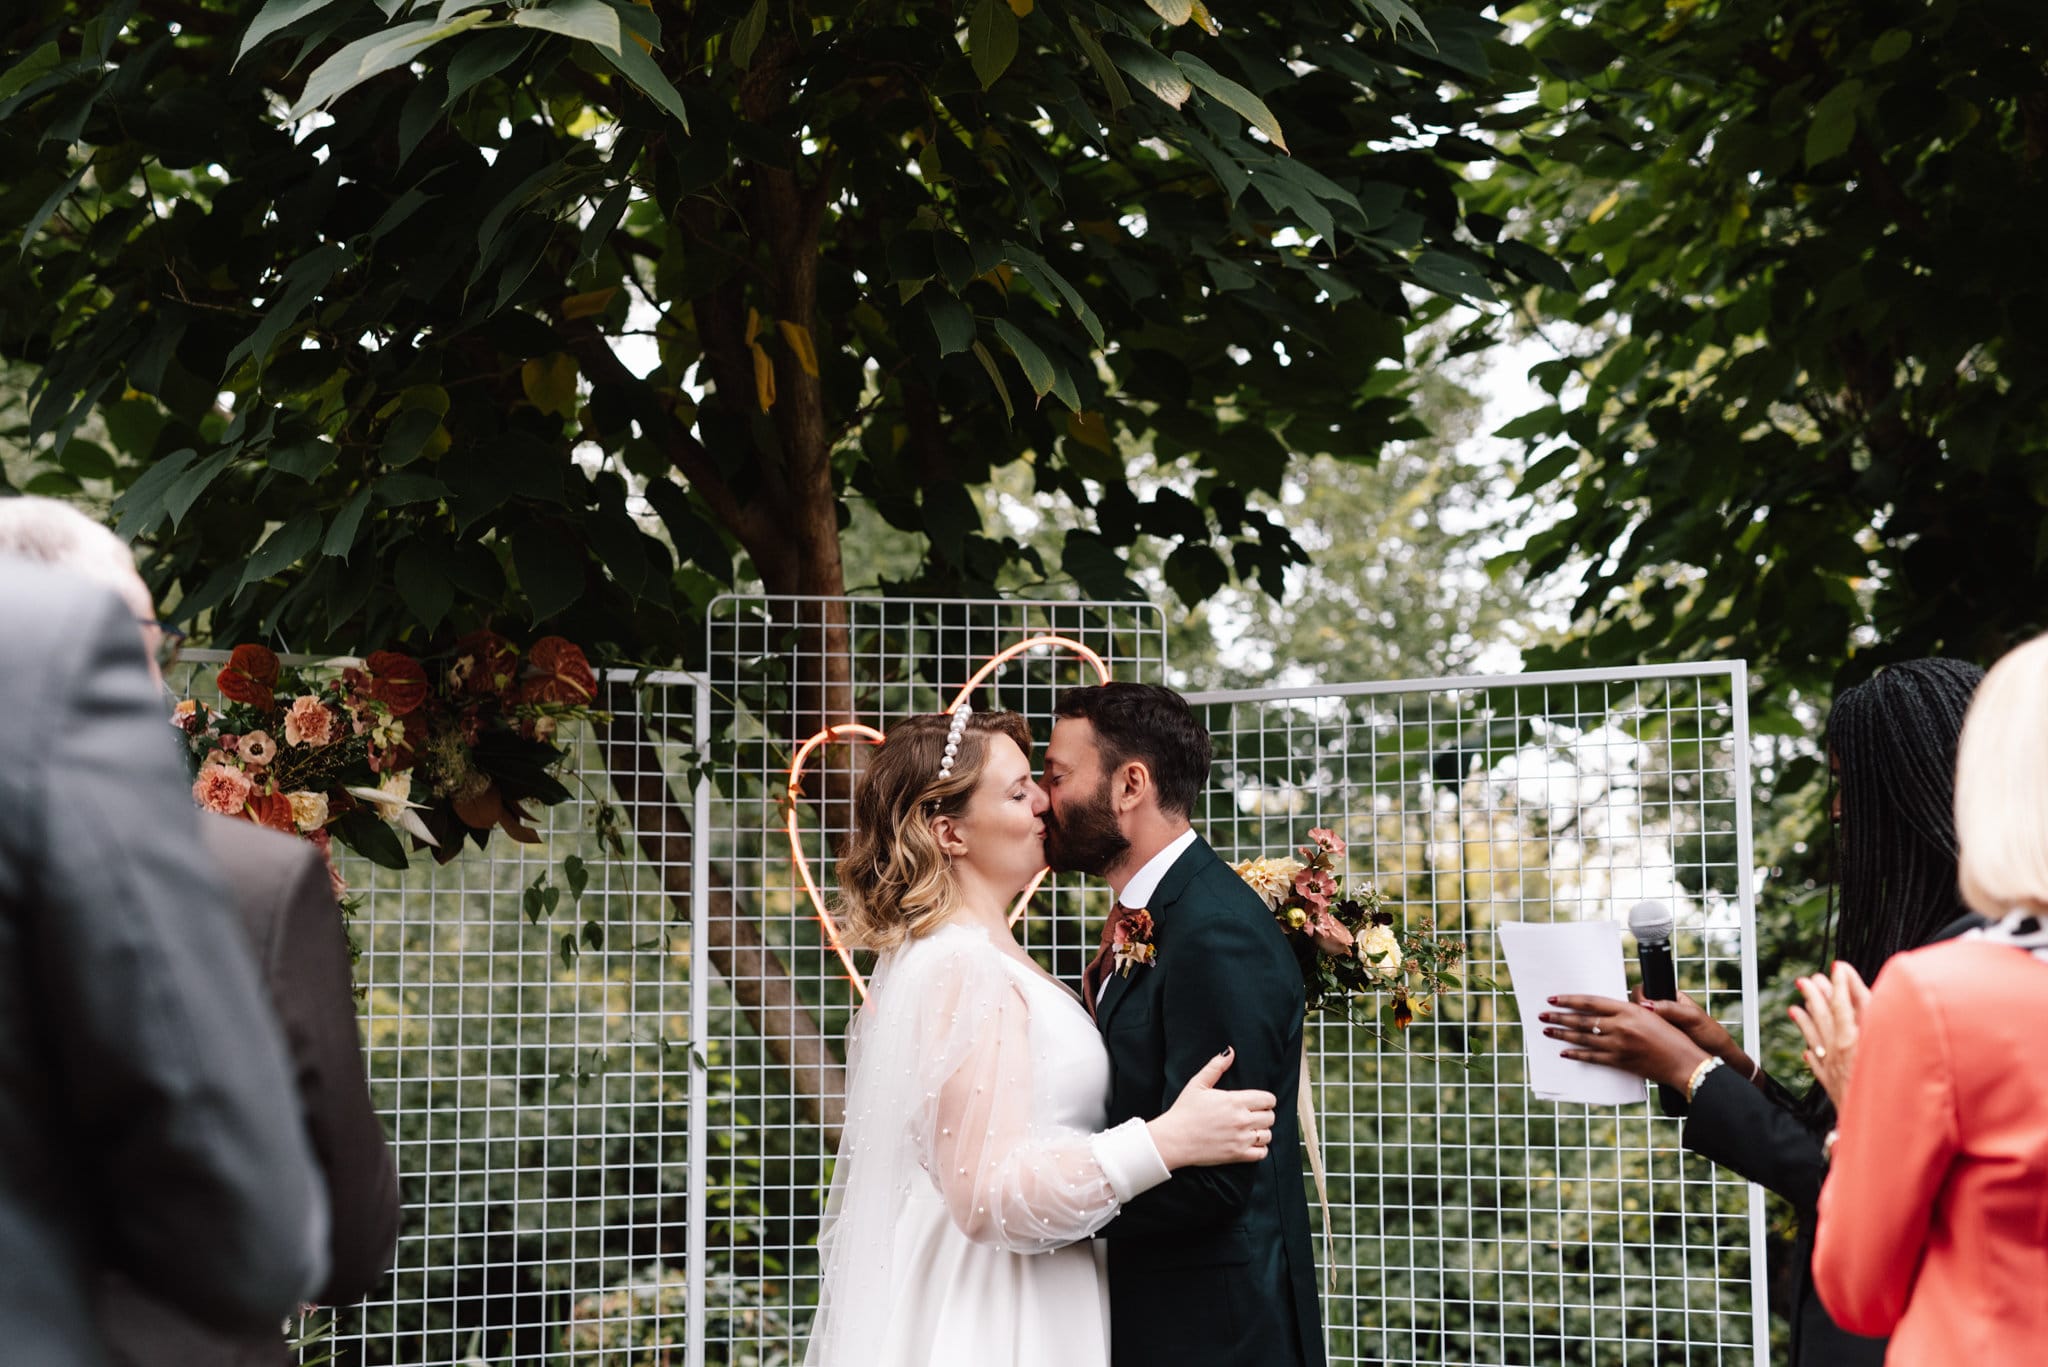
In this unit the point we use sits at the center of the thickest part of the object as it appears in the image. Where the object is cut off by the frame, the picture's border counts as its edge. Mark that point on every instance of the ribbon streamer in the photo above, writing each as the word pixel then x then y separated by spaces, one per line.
pixel 1305 1111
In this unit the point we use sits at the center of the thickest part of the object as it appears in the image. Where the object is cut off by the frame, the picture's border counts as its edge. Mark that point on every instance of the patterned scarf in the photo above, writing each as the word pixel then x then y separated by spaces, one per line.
pixel 2026 930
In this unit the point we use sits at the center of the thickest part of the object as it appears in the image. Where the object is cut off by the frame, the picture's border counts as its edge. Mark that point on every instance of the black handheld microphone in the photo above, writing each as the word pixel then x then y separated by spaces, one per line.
pixel 1651 924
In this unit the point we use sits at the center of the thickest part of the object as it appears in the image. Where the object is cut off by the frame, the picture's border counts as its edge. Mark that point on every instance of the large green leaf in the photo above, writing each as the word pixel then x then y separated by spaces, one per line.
pixel 283 548
pixel 1149 68
pixel 1834 122
pixel 1105 70
pixel 1038 368
pixel 587 21
pixel 372 55
pixel 991 40
pixel 1246 105
pixel 746 36
pixel 276 15
pixel 639 68
pixel 48 207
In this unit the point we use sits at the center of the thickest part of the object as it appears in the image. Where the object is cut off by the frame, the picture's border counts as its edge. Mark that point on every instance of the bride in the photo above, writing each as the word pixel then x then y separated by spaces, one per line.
pixel 973 1165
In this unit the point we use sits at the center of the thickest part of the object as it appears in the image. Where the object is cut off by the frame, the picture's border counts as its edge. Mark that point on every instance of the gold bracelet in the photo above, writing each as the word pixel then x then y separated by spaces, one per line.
pixel 1699 1073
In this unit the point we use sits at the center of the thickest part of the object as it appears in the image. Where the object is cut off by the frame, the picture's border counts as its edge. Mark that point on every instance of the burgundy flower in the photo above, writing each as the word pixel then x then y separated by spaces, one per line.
pixel 250 676
pixel 557 672
pixel 398 681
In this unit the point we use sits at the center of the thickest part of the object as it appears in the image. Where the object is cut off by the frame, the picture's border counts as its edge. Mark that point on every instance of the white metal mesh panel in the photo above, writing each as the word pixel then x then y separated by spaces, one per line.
pixel 1474 1223
pixel 537 1098
pixel 768 1166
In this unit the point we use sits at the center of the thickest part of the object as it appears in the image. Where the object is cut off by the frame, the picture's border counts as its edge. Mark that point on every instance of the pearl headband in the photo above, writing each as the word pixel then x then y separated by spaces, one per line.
pixel 961 711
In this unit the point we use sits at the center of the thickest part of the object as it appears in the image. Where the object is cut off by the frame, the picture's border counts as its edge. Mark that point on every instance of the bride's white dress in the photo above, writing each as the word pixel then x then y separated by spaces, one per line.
pixel 972 1168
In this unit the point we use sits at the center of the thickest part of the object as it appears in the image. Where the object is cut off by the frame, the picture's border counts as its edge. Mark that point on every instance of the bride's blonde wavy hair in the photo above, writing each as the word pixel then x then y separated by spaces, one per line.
pixel 894 880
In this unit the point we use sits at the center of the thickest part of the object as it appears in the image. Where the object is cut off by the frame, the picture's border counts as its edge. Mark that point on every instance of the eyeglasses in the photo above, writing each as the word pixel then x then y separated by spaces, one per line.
pixel 169 640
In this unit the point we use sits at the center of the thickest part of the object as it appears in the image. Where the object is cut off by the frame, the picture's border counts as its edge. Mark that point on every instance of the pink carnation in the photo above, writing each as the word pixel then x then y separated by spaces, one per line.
pixel 308 722
pixel 222 789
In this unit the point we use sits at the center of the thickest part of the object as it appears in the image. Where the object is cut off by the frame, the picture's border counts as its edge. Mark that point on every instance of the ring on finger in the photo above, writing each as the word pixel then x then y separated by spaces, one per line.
pixel 1596 1029
pixel 1820 1051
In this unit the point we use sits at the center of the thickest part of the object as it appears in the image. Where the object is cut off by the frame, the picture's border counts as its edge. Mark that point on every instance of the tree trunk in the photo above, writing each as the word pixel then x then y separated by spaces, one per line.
pixel 755 975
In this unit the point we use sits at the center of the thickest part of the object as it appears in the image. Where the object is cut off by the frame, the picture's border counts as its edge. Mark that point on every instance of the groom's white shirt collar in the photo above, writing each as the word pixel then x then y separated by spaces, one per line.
pixel 1137 893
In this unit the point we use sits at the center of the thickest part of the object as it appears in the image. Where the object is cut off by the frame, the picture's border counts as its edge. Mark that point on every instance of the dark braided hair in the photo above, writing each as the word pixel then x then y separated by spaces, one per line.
pixel 1894 737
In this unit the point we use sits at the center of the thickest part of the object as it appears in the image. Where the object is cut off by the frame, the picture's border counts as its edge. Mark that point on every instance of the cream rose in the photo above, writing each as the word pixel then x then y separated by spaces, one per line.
pixel 309 810
pixel 1380 947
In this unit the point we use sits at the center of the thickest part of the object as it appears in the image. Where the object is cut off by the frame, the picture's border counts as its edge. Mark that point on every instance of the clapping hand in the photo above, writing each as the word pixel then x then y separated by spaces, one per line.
pixel 1829 1021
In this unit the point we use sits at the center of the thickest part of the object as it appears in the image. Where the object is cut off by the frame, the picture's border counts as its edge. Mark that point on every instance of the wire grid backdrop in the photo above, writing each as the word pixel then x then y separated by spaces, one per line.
pixel 1472 1222
pixel 779 997
pixel 528 1057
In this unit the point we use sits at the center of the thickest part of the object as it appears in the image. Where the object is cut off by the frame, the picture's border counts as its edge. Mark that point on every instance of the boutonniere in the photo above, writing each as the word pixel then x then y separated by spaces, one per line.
pixel 1131 942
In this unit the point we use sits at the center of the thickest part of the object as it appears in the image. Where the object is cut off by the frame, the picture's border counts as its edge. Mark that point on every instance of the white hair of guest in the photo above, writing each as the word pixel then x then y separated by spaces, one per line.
pixel 56 534
pixel 2002 787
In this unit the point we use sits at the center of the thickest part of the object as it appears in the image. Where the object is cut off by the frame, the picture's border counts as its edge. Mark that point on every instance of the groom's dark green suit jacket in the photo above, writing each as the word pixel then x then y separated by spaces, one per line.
pixel 1215 1266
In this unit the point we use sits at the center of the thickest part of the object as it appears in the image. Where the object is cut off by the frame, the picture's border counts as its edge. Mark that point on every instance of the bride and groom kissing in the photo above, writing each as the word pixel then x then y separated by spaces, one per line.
pixel 1030 1177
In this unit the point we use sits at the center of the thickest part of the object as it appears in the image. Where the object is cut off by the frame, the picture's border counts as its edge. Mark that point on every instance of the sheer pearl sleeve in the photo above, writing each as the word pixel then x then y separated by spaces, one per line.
pixel 1008 1179
pixel 943 1098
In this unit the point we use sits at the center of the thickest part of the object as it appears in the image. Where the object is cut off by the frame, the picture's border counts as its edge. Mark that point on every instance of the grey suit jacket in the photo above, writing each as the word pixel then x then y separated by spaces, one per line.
pixel 146 1115
pixel 280 889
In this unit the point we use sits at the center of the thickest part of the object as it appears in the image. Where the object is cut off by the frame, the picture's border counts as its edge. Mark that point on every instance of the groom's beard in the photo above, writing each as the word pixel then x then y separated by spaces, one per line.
pixel 1086 839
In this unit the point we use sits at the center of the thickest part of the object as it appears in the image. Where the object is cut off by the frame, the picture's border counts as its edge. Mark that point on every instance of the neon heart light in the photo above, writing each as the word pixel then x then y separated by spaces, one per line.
pixel 853 730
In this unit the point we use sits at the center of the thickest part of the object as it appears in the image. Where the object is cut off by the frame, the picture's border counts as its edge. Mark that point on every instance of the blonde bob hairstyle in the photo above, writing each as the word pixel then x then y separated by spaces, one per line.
pixel 2002 787
pixel 894 883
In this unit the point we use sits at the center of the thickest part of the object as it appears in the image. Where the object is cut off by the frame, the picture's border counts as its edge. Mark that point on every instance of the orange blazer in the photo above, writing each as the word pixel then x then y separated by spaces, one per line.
pixel 1934 1217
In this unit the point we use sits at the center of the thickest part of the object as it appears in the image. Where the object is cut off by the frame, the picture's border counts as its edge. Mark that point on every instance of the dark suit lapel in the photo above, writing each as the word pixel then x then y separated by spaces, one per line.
pixel 1192 860
pixel 1112 994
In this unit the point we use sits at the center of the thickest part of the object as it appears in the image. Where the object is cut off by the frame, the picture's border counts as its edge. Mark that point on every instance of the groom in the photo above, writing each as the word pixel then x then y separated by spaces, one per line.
pixel 1213 1268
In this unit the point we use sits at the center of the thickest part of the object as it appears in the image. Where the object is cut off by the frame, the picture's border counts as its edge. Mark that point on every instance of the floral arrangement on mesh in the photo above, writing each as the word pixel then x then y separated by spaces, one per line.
pixel 389 746
pixel 1355 959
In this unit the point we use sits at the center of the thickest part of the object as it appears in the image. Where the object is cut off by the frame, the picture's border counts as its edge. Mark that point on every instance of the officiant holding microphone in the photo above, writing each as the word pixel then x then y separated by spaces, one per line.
pixel 1892 746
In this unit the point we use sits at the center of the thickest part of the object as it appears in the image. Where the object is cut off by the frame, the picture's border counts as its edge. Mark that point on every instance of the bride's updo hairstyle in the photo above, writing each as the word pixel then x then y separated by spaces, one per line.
pixel 894 885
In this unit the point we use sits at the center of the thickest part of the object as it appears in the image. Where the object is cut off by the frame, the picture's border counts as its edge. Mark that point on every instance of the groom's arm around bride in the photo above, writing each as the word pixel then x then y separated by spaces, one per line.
pixel 1215 1266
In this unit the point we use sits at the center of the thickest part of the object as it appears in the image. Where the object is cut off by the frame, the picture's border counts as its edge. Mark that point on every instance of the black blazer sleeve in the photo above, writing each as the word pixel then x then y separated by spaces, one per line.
pixel 1758 1136
pixel 310 982
pixel 1230 983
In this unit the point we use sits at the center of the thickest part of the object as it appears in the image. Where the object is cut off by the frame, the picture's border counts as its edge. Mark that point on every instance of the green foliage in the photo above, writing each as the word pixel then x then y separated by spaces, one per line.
pixel 573 313
pixel 1802 398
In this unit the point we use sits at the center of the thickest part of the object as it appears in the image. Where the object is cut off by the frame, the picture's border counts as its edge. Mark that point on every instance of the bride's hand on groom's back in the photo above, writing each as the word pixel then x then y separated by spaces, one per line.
pixel 1209 1128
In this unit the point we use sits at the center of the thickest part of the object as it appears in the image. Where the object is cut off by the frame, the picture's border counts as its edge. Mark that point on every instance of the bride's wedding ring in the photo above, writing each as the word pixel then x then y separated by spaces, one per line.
pixel 1596 1029
pixel 1820 1051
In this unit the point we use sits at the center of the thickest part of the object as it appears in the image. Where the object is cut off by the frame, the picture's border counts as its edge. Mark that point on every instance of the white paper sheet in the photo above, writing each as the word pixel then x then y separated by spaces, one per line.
pixel 1550 959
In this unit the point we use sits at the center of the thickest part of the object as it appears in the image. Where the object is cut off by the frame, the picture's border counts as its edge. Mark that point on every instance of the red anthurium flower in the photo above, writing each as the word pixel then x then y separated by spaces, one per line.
pixel 397 681
pixel 272 809
pixel 250 676
pixel 558 673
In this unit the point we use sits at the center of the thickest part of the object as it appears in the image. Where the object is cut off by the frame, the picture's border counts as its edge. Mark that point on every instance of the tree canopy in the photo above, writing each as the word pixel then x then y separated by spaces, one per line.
pixel 1802 388
pixel 462 297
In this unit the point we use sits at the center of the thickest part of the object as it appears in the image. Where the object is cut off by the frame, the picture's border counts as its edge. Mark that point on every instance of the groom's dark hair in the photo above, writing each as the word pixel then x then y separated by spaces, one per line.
pixel 1151 724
